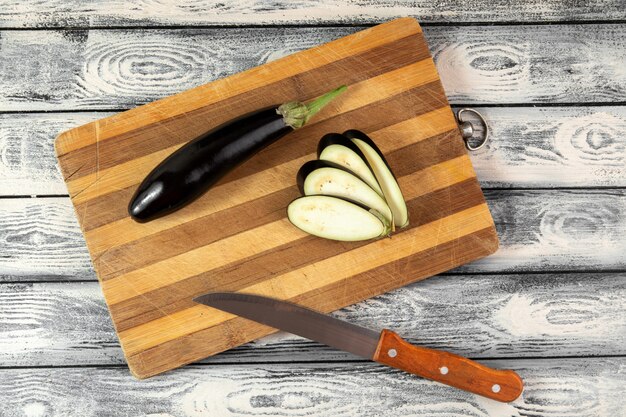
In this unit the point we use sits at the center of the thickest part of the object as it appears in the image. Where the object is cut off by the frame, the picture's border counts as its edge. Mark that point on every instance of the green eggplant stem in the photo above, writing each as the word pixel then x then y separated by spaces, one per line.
pixel 296 114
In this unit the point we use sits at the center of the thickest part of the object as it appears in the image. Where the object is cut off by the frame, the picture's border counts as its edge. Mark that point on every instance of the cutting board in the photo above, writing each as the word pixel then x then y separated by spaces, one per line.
pixel 236 237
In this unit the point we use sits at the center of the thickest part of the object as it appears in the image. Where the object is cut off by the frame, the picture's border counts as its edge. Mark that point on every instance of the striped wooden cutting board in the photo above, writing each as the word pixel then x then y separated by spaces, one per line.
pixel 236 237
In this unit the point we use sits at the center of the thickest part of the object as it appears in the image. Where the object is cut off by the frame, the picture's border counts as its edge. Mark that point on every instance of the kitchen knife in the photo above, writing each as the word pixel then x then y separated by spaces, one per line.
pixel 385 347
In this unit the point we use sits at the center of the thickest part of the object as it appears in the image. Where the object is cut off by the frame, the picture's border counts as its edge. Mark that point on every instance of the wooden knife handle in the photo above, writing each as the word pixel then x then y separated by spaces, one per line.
pixel 448 368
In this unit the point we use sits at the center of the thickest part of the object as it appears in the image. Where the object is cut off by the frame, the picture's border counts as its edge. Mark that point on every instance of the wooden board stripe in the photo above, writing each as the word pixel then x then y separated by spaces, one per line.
pixel 236 237
pixel 237 84
pixel 191 274
pixel 106 209
pixel 106 180
pixel 326 272
pixel 300 251
pixel 190 235
pixel 374 117
pixel 435 150
pixel 298 144
pixel 102 153
pixel 194 275
pixel 238 331
pixel 231 249
pixel 222 197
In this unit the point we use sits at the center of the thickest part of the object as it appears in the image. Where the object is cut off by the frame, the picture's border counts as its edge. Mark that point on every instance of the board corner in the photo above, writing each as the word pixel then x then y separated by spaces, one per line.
pixel 60 141
pixel 410 20
pixel 138 369
pixel 494 240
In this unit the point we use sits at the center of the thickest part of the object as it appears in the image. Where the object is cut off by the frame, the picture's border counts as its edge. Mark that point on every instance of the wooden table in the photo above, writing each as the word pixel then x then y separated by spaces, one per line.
pixel 550 304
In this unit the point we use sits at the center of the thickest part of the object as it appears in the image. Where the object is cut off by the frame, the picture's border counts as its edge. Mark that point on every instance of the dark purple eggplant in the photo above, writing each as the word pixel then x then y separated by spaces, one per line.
pixel 341 150
pixel 384 175
pixel 194 168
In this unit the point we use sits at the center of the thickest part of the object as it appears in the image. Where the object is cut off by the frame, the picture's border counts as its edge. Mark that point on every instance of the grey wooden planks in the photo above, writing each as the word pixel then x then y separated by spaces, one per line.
pixel 556 230
pixel 40 240
pixel 117 69
pixel 539 230
pixel 553 147
pixel 58 13
pixel 530 64
pixel 556 387
pixel 55 324
pixel 102 69
pixel 530 147
pixel 490 316
pixel 28 166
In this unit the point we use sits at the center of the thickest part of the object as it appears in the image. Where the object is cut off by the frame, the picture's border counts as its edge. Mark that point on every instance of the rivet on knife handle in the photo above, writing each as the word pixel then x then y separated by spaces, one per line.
pixel 447 368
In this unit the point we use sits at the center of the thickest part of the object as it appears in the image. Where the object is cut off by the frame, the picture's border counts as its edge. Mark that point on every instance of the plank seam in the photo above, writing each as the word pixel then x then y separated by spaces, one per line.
pixel 319 25
pixel 547 272
pixel 347 361
pixel 537 104
pixel 484 188
pixel 597 271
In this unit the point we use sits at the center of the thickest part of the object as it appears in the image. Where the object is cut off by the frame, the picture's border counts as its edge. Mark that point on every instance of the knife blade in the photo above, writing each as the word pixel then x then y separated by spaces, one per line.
pixel 384 346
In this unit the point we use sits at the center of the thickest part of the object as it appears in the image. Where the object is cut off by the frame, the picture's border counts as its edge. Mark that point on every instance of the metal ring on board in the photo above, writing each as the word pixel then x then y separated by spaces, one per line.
pixel 467 129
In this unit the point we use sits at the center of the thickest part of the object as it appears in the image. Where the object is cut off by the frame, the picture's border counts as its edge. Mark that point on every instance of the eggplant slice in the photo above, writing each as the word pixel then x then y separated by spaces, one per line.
pixel 337 219
pixel 339 149
pixel 327 178
pixel 384 175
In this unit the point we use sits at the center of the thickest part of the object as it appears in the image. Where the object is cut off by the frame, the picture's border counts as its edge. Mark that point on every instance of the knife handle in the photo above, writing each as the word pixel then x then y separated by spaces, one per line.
pixel 447 368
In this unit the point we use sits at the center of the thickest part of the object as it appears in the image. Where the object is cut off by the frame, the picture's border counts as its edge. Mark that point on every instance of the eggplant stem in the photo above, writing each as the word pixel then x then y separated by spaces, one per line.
pixel 297 114
pixel 320 102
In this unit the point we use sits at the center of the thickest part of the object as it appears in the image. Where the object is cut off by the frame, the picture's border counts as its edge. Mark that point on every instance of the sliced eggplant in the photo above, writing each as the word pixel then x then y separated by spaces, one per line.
pixel 384 175
pixel 341 150
pixel 327 178
pixel 337 219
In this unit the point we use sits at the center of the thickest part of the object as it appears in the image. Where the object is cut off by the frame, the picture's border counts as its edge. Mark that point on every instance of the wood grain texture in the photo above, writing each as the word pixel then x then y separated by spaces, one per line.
pixel 502 385
pixel 28 165
pixel 55 324
pixel 40 239
pixel 478 316
pixel 554 387
pixel 530 147
pixel 124 68
pixel 563 314
pixel 553 147
pixel 57 13
pixel 555 227
pixel 385 67
pixel 530 64
pixel 100 69
pixel 547 230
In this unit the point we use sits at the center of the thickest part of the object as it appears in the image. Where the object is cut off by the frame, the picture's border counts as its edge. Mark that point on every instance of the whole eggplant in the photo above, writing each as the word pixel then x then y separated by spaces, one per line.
pixel 195 167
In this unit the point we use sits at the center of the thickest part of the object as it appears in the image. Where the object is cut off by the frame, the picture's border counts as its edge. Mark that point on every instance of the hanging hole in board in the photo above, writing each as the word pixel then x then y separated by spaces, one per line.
pixel 473 127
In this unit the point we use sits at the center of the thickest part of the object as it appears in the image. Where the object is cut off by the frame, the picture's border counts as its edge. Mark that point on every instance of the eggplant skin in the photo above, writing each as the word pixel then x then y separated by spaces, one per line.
pixel 338 139
pixel 194 168
pixel 365 172
pixel 391 188
pixel 357 134
pixel 311 166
